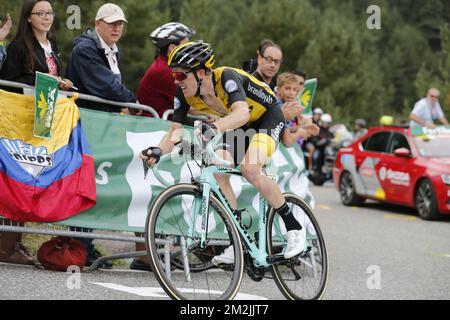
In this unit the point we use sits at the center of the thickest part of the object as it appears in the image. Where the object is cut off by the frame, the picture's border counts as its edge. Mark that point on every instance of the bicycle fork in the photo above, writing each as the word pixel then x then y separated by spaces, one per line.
pixel 200 204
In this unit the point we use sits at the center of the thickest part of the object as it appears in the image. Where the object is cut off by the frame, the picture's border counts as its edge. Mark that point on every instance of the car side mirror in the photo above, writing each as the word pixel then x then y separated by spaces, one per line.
pixel 402 153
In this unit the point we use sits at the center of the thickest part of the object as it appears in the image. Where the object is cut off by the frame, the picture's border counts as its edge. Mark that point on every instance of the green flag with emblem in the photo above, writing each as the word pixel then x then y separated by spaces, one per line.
pixel 307 95
pixel 46 94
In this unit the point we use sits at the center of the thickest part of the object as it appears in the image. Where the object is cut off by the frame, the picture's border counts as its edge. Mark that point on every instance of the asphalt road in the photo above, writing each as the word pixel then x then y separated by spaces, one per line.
pixel 377 251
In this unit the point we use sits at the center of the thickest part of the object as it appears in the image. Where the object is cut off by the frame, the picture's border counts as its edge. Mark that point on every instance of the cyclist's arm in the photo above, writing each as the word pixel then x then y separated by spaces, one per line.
pixel 179 118
pixel 240 113
pixel 239 116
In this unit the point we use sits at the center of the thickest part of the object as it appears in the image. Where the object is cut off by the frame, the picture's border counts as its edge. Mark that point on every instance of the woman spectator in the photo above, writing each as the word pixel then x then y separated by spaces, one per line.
pixel 33 47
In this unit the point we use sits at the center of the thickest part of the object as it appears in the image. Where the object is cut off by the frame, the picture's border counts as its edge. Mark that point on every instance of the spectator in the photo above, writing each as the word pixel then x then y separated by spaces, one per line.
pixel 320 141
pixel 289 87
pixel 94 64
pixel 4 31
pixel 157 87
pixel 33 47
pixel 426 110
pixel 309 145
pixel 317 114
pixel 270 58
pixel 360 128
pixel 94 68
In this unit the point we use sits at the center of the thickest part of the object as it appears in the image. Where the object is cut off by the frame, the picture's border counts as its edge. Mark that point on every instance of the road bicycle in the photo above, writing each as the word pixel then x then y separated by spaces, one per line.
pixel 194 222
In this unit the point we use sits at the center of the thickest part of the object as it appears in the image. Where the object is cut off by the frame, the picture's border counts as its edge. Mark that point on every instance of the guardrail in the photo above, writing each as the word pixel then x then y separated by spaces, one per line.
pixel 56 230
pixel 86 97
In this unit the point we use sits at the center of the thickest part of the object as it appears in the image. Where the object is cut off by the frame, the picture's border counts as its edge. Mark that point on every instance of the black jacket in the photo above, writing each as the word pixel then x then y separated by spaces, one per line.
pixel 89 70
pixel 14 69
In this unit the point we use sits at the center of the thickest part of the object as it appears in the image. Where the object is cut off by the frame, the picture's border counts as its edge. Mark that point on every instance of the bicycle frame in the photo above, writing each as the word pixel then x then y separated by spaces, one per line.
pixel 208 184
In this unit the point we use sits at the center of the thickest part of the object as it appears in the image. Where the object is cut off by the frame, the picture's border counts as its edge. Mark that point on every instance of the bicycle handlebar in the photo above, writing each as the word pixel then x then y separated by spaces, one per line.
pixel 211 156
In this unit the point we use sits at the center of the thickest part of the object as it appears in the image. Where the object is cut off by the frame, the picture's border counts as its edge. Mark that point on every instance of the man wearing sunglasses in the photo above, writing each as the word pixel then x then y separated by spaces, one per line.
pixel 426 110
pixel 249 119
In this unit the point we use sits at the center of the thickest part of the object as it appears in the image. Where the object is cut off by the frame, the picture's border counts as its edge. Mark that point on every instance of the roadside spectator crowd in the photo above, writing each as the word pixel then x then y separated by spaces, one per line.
pixel 94 68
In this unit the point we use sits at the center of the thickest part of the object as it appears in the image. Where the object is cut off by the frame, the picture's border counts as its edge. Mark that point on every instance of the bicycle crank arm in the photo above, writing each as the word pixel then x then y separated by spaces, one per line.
pixel 279 258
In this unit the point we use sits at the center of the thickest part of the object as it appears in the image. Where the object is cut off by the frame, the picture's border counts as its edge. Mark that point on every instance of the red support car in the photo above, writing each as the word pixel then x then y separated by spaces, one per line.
pixel 405 166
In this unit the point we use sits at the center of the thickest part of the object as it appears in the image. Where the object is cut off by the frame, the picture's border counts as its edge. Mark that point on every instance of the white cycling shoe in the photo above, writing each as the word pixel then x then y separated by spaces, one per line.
pixel 296 240
pixel 227 257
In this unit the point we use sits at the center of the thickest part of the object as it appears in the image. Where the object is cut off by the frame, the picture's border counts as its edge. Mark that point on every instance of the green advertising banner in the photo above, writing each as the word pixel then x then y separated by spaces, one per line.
pixel 307 95
pixel 123 195
pixel 46 94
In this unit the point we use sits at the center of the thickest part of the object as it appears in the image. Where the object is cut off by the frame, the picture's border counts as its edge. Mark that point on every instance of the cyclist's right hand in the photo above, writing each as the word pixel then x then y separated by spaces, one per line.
pixel 151 155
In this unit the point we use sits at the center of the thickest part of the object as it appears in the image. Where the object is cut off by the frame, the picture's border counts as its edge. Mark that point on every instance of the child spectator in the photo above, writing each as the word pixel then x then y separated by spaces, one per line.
pixel 289 86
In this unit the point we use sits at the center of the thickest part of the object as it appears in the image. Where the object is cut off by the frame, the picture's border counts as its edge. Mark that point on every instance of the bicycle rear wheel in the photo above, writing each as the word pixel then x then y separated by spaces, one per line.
pixel 167 238
pixel 303 277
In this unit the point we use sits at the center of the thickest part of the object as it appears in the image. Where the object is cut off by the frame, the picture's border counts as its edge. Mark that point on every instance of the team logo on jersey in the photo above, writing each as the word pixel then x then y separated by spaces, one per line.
pixel 276 133
pixel 176 103
pixel 231 86
pixel 259 92
pixel 32 159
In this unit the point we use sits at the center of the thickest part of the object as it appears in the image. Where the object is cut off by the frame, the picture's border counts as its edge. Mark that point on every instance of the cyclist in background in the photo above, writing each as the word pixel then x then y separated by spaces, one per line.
pixel 242 102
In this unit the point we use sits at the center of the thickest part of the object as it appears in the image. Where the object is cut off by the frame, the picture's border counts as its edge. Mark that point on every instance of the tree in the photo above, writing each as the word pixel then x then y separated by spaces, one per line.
pixel 342 56
pixel 437 73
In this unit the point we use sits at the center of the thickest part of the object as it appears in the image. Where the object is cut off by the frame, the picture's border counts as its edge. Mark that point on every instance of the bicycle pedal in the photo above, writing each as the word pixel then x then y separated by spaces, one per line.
pixel 304 253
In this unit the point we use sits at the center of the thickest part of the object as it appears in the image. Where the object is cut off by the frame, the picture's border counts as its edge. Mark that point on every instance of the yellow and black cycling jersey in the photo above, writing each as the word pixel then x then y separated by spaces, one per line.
pixel 230 85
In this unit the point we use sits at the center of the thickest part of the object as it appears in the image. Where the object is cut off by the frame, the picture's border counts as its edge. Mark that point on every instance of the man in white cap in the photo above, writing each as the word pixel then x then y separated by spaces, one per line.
pixel 94 64
pixel 94 68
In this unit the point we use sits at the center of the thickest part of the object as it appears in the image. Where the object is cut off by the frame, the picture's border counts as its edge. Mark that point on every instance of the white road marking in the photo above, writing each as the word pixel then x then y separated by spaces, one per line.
pixel 156 292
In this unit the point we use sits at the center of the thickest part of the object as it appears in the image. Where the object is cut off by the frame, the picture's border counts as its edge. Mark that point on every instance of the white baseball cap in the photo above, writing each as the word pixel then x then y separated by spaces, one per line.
pixel 110 13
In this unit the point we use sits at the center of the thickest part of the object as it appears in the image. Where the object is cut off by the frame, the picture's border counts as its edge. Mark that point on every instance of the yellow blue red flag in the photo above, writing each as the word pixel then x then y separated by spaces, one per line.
pixel 43 180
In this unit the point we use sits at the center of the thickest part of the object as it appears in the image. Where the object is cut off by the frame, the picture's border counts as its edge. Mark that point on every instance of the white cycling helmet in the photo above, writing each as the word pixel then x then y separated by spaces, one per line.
pixel 318 111
pixel 172 32
pixel 326 118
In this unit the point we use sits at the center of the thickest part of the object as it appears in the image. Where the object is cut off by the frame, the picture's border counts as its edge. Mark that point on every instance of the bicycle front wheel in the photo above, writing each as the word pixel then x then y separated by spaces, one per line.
pixel 173 241
pixel 303 277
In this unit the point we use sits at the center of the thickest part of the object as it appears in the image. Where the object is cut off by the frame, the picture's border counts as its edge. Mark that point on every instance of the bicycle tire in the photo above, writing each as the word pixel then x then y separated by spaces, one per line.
pixel 176 285
pixel 309 271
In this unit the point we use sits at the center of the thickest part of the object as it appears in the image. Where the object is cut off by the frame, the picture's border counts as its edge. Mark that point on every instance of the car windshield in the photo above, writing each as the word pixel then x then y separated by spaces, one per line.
pixel 433 145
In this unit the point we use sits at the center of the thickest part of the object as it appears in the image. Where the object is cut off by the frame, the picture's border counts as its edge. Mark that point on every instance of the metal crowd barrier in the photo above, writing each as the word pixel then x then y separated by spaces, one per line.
pixel 57 230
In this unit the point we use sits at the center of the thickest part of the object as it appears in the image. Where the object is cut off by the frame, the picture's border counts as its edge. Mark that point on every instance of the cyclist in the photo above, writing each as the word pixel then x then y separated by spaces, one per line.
pixel 242 102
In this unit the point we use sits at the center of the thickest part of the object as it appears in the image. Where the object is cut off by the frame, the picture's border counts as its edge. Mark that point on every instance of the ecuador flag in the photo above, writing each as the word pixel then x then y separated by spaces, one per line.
pixel 43 180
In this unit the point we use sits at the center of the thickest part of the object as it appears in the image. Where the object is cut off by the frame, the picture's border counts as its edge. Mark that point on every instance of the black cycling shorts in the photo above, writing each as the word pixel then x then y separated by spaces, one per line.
pixel 264 134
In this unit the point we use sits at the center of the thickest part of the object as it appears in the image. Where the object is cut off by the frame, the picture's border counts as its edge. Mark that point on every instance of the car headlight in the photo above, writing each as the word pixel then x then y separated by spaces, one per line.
pixel 446 178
